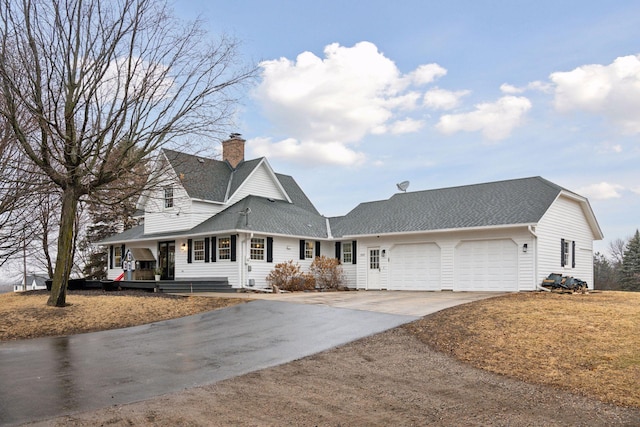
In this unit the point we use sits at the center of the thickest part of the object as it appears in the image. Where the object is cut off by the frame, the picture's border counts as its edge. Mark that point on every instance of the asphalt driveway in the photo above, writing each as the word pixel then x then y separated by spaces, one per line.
pixel 47 377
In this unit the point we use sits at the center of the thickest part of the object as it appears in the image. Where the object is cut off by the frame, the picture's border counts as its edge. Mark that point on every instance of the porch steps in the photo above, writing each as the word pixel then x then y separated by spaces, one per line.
pixel 214 284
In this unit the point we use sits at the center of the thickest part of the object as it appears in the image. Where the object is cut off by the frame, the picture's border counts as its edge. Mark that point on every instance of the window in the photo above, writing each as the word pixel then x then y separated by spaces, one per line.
pixel 198 250
pixel 347 253
pixel 257 248
pixel 374 259
pixel 567 253
pixel 168 196
pixel 117 256
pixel 308 250
pixel 224 248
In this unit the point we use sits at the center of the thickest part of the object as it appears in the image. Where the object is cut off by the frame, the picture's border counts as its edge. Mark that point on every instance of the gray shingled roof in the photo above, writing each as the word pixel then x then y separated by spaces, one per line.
pixel 297 196
pixel 202 178
pixel 519 201
pixel 241 173
pixel 266 216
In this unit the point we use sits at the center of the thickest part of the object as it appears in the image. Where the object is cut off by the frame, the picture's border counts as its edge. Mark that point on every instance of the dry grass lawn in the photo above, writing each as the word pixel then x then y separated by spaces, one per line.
pixel 589 344
pixel 26 315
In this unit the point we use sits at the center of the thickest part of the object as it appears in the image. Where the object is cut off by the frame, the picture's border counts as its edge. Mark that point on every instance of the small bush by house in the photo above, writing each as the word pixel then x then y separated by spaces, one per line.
pixel 328 273
pixel 288 276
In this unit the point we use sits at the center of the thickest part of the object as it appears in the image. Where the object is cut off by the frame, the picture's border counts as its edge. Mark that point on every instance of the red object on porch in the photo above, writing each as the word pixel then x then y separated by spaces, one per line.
pixel 120 277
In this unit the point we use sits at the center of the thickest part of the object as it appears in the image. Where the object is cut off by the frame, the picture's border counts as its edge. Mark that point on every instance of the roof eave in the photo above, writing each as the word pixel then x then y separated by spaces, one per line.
pixel 442 230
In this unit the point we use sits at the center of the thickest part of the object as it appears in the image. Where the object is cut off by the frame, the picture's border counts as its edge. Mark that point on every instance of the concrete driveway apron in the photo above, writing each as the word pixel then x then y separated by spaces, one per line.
pixel 49 377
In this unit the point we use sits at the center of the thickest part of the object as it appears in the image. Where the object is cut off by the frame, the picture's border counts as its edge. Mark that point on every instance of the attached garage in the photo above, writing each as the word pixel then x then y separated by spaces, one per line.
pixel 486 265
pixel 415 267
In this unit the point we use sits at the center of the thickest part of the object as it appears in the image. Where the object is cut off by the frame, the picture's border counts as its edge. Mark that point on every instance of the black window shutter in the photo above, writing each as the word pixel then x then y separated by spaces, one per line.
pixel 206 249
pixel 573 254
pixel 562 252
pixel 233 248
pixel 111 256
pixel 269 249
pixel 301 249
pixel 354 252
pixel 189 245
pixel 214 246
pixel 317 248
pixel 338 250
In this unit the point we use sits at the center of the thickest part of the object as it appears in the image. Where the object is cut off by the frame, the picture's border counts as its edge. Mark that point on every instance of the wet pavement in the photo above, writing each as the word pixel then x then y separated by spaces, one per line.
pixel 47 377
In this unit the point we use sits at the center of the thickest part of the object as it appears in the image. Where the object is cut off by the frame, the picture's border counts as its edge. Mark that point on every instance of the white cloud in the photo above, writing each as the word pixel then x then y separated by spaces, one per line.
pixel 495 120
pixel 427 73
pixel 609 147
pixel 635 190
pixel 537 85
pixel 441 99
pixel 510 89
pixel 407 125
pixel 136 76
pixel 611 90
pixel 307 152
pixel 339 99
pixel 601 191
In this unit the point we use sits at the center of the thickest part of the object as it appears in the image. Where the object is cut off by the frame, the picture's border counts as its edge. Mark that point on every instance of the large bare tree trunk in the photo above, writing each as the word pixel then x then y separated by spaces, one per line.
pixel 64 259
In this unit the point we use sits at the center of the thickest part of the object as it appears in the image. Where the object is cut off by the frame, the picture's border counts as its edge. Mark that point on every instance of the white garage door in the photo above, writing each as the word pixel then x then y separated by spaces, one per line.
pixel 488 265
pixel 415 267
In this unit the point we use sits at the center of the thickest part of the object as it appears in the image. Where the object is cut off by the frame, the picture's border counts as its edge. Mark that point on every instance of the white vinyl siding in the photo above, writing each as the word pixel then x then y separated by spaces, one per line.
pixel 447 242
pixel 565 219
pixel 261 182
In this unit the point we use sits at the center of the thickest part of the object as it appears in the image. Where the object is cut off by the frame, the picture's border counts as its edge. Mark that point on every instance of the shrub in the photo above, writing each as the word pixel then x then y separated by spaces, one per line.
pixel 327 272
pixel 287 276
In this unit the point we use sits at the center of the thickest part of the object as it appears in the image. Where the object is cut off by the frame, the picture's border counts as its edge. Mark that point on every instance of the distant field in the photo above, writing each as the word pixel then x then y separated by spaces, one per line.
pixel 6 287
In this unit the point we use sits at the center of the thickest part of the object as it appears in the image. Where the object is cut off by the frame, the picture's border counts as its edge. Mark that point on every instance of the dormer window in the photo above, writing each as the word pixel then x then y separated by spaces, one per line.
pixel 168 196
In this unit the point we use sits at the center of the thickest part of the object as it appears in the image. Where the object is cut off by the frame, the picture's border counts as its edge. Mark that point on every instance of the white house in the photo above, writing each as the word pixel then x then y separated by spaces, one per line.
pixel 33 283
pixel 235 219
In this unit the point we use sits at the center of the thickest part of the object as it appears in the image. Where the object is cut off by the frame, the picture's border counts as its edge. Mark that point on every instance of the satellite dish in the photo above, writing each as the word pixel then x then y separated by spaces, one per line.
pixel 403 186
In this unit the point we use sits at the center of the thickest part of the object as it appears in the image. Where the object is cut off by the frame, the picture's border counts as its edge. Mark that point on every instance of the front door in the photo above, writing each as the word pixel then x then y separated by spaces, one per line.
pixel 373 274
pixel 167 259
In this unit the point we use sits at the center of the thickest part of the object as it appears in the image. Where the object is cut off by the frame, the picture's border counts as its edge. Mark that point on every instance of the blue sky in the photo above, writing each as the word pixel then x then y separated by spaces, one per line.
pixel 354 97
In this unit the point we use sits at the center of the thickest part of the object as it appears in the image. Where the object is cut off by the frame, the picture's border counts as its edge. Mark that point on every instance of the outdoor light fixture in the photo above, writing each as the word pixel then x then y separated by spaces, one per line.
pixel 183 247
pixel 525 247
pixel 384 253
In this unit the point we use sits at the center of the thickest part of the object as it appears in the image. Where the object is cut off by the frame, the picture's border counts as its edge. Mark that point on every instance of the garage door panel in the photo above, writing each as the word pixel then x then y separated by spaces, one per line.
pixel 414 267
pixel 488 265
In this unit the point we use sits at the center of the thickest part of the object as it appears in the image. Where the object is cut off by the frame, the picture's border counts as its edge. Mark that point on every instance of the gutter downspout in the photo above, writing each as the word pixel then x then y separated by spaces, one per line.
pixel 535 259
pixel 245 259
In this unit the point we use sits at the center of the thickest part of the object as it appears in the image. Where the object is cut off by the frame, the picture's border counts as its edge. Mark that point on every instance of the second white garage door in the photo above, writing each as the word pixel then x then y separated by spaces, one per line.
pixel 487 265
pixel 415 267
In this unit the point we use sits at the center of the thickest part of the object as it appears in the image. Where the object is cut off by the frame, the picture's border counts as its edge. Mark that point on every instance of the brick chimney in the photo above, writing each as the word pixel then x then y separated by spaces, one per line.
pixel 233 150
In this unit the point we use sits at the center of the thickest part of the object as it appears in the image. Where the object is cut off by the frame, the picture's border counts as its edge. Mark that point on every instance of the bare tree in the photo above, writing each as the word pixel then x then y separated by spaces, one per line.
pixel 91 88
pixel 616 249
pixel 16 185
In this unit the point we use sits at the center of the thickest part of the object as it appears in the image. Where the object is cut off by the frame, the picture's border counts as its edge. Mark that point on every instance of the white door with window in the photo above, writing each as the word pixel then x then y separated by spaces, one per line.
pixel 373 271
